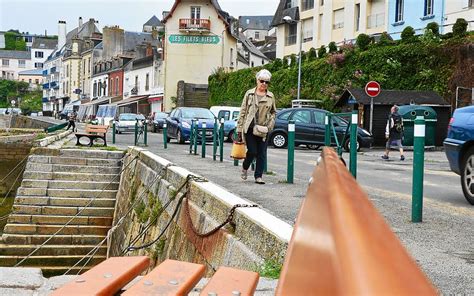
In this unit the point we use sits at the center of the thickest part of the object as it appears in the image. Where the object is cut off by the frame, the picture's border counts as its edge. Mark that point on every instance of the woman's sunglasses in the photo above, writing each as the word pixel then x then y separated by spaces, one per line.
pixel 264 81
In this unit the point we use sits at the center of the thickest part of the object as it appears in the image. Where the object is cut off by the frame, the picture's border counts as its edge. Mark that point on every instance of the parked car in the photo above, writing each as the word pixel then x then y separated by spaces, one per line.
pixel 126 122
pixel 230 115
pixel 459 148
pixel 310 129
pixel 179 123
pixel 160 118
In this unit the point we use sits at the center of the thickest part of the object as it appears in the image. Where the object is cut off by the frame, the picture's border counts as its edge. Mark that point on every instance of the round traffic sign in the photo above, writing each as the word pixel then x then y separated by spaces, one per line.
pixel 372 89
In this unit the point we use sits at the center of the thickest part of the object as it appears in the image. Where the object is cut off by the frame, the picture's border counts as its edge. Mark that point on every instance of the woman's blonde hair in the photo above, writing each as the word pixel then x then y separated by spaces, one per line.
pixel 264 75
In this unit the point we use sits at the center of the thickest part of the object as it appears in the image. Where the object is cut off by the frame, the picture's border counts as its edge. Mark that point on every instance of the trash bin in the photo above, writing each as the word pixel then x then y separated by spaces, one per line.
pixel 409 113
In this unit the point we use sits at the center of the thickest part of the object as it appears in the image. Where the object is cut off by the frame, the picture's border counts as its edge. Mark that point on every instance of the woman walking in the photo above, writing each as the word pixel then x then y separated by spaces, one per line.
pixel 256 120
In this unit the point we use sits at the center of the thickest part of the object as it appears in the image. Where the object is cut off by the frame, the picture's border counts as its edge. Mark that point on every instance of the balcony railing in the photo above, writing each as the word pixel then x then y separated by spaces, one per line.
pixel 375 20
pixel 53 70
pixel 54 85
pixel 195 24
pixel 45 72
pixel 46 85
pixel 45 100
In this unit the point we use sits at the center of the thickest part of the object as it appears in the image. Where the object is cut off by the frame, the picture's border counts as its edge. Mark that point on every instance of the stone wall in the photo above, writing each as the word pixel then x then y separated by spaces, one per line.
pixel 255 237
pixel 19 121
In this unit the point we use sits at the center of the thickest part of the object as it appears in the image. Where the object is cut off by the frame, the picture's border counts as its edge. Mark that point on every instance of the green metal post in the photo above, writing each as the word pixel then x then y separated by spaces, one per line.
pixel 113 132
pixel 196 130
pixel 221 141
pixel 191 137
pixel 418 164
pixel 145 131
pixel 353 150
pixel 214 140
pixel 327 133
pixel 136 131
pixel 291 152
pixel 165 135
pixel 236 161
pixel 203 140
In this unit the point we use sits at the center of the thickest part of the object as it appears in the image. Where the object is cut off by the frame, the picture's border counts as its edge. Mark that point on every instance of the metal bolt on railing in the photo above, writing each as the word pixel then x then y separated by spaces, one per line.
pixel 418 164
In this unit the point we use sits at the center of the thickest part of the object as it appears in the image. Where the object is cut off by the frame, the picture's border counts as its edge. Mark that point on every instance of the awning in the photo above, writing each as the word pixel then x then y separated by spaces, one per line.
pixel 131 100
pixel 104 100
pixel 152 99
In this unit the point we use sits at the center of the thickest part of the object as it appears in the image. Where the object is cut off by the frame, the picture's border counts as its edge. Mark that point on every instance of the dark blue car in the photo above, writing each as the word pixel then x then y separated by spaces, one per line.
pixel 180 119
pixel 459 148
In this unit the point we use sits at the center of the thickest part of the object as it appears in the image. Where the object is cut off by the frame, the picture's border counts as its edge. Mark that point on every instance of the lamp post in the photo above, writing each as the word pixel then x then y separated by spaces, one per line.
pixel 289 20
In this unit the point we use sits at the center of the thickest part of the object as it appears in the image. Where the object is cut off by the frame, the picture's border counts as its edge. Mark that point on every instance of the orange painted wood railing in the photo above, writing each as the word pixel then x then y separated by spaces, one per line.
pixel 194 24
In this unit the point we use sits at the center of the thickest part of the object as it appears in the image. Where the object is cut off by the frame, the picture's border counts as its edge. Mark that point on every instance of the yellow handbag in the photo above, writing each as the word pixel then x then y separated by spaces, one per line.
pixel 238 151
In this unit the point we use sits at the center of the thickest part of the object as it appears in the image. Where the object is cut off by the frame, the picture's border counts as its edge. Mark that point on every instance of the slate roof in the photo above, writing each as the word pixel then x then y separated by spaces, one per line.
pixel 260 22
pixel 15 54
pixel 393 97
pixel 154 22
pixel 132 39
pixel 86 30
pixel 250 47
pixel 281 12
pixel 44 43
pixel 32 72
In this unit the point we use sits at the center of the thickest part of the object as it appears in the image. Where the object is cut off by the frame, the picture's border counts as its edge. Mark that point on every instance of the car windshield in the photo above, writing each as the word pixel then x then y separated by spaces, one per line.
pixel 197 113
pixel 130 117
pixel 161 115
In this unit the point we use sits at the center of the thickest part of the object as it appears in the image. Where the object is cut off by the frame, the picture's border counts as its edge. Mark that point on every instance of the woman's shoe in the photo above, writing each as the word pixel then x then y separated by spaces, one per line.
pixel 243 174
pixel 259 181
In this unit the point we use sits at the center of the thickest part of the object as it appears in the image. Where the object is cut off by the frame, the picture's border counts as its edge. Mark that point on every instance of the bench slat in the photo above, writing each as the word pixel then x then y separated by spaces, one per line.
pixel 169 278
pixel 107 278
pixel 227 280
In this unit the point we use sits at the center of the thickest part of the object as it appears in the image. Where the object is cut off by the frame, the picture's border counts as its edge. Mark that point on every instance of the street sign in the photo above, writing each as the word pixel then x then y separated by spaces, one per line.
pixel 372 89
pixel 194 39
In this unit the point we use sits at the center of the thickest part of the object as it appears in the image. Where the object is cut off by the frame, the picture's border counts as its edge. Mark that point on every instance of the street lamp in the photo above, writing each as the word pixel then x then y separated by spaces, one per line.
pixel 289 20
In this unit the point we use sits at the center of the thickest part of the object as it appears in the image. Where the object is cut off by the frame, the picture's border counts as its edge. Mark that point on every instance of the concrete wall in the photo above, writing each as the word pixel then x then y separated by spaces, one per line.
pixel 256 237
pixel 20 121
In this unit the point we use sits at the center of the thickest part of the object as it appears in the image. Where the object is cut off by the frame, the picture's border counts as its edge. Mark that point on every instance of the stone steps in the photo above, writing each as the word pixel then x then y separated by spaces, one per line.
pixel 62 211
pixel 51 229
pixel 49 250
pixel 59 220
pixel 80 153
pixel 41 261
pixel 54 184
pixel 74 161
pixel 60 239
pixel 45 167
pixel 65 201
pixel 86 193
pixel 68 176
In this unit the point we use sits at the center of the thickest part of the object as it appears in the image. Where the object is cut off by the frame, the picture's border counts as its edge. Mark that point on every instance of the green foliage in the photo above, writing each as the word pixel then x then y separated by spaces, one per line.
pixel 408 35
pixel 385 39
pixel 293 60
pixel 14 41
pixel 31 102
pixel 322 51
pixel 332 47
pixel 11 89
pixel 460 28
pixel 270 269
pixel 311 54
pixel 363 41
pixel 433 27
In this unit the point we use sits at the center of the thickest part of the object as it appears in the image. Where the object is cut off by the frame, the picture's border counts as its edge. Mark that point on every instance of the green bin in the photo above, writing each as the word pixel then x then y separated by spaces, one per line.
pixel 409 113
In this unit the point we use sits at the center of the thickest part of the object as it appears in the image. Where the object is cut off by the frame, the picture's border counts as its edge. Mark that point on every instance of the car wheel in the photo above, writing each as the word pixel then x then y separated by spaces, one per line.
pixel 313 146
pixel 279 140
pixel 467 175
pixel 179 137
pixel 347 145
pixel 231 137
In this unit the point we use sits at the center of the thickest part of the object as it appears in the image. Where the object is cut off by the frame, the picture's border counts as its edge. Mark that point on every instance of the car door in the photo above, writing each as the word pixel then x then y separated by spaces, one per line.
pixel 172 123
pixel 304 127
pixel 319 126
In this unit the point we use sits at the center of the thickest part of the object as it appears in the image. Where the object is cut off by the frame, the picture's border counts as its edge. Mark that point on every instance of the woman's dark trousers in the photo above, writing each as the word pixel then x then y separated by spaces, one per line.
pixel 256 148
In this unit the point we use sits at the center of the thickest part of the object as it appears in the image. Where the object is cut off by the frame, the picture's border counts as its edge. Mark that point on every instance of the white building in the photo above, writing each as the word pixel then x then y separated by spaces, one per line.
pixel 459 9
pixel 41 49
pixel 255 27
pixel 248 55
pixel 12 62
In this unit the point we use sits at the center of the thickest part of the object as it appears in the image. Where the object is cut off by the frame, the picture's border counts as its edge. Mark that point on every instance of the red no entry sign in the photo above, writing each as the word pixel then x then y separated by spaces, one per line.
pixel 372 89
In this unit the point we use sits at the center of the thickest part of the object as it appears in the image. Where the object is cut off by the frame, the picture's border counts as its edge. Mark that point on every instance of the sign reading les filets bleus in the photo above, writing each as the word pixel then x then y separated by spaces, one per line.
pixel 193 39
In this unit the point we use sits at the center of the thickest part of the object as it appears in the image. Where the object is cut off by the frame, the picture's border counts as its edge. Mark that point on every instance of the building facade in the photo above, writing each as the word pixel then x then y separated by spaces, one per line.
pixel 41 49
pixel 255 28
pixel 458 9
pixel 33 77
pixel 12 62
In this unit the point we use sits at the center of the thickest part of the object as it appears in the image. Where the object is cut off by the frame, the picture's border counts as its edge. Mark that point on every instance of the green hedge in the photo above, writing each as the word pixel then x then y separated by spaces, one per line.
pixel 418 65
pixel 14 41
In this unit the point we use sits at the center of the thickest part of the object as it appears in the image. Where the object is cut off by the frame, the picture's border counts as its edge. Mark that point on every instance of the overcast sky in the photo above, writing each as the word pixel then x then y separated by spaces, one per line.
pixel 36 16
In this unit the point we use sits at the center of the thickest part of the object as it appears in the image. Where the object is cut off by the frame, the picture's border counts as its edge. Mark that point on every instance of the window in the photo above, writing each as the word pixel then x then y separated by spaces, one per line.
pixel 399 10
pixel 231 57
pixel 321 2
pixel 308 4
pixel 104 86
pixel 338 19
pixel 252 64
pixel 319 117
pixel 302 116
pixel 84 67
pixel 357 17
pixel 94 91
pixel 429 7
pixel 320 26
pixel 5 63
pixel 116 86
pixel 147 82
pixel 111 89
pixel 89 63
pixel 284 115
pixel 67 86
pixel 136 81
pixel 29 81
pixel 38 65
pixel 224 114
pixel 291 36
pixel 37 81
pixel 470 3
pixel 308 30
pixel 67 70
pixel 263 62
pixel 257 35
pixel 288 4
pixel 39 54
pixel 195 12
pixel 21 63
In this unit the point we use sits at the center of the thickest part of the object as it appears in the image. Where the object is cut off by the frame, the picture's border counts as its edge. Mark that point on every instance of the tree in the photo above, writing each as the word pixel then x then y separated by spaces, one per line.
pixel 408 35
pixel 322 51
pixel 460 28
pixel 433 27
pixel 363 41
pixel 385 39
pixel 311 54
pixel 332 47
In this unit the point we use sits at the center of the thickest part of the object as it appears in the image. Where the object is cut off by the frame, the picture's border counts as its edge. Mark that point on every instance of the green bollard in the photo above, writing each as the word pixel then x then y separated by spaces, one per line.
pixel 191 136
pixel 165 135
pixel 221 141
pixel 196 130
pixel 145 131
pixel 353 150
pixel 327 133
pixel 214 140
pixel 203 140
pixel 236 161
pixel 418 164
pixel 291 152
pixel 136 131
pixel 113 132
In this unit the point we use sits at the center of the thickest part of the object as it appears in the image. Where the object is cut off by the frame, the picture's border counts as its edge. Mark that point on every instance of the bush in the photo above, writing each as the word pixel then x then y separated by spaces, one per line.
pixel 385 39
pixel 322 51
pixel 408 35
pixel 293 60
pixel 332 47
pixel 460 28
pixel 433 27
pixel 363 41
pixel 311 56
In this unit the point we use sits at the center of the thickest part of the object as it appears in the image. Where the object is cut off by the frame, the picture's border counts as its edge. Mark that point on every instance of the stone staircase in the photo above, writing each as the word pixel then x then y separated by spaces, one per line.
pixel 56 185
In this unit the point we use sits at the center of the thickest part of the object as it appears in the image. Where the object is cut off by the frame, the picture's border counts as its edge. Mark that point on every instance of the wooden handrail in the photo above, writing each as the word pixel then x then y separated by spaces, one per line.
pixel 342 245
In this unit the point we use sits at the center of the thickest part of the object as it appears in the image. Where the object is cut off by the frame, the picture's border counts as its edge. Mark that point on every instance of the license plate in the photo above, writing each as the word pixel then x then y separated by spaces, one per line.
pixel 208 133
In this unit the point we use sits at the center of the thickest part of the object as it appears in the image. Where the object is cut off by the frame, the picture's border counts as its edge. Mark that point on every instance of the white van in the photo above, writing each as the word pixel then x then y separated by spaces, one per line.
pixel 226 112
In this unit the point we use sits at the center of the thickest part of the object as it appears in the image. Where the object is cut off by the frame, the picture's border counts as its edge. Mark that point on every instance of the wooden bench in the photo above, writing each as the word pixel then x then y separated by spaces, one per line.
pixel 340 245
pixel 93 132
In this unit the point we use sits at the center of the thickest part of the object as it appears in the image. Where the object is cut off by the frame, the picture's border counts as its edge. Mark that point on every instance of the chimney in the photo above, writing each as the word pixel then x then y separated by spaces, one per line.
pixel 149 50
pixel 61 34
pixel 80 21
